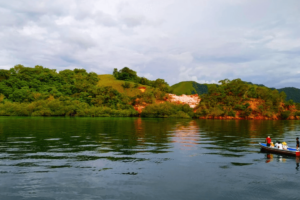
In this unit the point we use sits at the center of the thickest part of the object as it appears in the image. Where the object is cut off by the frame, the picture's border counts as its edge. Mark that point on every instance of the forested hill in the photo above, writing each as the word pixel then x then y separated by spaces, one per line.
pixel 189 87
pixel 291 93
pixel 192 87
pixel 39 91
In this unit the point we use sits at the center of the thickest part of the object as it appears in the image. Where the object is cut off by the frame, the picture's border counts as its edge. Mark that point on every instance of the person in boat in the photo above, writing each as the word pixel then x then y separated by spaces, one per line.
pixel 268 141
pixel 297 143
pixel 280 145
pixel 284 145
pixel 276 144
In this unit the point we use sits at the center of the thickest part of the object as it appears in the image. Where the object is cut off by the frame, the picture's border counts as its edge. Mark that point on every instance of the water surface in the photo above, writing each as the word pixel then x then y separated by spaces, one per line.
pixel 134 158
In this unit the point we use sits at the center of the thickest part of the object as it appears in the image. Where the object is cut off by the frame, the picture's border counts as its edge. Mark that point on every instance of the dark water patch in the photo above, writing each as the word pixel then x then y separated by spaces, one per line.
pixel 87 157
pixel 130 173
pixel 25 164
pixel 59 166
pixel 231 155
pixel 240 164
pixel 224 166
pixel 41 171
pixel 104 169
pixel 225 154
pixel 214 148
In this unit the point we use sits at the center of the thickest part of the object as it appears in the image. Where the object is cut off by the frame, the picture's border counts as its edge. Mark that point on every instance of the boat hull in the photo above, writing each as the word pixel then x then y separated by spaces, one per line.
pixel 289 151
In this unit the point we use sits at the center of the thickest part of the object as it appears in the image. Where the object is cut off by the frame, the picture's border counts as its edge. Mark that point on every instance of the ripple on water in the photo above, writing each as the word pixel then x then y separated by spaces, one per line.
pixel 52 139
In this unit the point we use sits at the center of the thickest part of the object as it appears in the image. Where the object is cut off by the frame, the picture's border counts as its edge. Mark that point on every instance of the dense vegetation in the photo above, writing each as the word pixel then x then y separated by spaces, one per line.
pixel 130 75
pixel 291 93
pixel 192 87
pixel 41 91
pixel 234 97
pixel 168 110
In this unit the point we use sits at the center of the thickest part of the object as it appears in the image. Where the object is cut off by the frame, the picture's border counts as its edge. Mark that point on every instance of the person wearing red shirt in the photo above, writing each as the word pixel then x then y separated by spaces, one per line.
pixel 268 141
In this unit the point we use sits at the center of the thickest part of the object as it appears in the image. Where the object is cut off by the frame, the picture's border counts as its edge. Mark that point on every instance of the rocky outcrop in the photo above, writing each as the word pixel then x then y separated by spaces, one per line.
pixel 191 100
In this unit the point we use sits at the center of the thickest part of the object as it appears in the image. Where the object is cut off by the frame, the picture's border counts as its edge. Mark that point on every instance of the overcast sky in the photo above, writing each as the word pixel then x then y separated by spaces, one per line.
pixel 177 40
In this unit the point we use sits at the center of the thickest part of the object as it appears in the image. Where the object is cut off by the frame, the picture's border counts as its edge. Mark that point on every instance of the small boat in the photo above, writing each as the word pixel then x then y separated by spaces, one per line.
pixel 288 151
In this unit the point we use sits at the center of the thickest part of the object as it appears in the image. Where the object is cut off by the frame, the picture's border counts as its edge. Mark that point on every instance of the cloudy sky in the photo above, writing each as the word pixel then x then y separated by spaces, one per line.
pixel 177 40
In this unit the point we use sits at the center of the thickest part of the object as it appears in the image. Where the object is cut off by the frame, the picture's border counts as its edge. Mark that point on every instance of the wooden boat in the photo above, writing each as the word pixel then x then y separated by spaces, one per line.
pixel 288 151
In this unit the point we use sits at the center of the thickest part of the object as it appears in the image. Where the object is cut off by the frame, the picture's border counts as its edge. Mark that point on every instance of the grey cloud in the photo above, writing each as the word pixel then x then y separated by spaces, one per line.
pixel 172 39
pixel 132 20
pixel 105 19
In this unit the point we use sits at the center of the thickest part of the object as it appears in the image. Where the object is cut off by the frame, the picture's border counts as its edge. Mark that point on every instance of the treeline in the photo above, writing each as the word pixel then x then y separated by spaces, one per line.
pixel 168 109
pixel 231 98
pixel 130 75
pixel 41 91
pixel 291 94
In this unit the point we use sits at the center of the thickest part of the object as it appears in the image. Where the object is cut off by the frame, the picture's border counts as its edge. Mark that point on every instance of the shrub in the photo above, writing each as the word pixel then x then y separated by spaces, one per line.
pixel 231 113
pixel 216 112
pixel 126 85
pixel 167 110
pixel 285 114
pixel 297 113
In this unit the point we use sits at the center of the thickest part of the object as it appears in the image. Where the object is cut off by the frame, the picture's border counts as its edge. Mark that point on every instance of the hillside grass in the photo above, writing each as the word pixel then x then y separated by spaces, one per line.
pixel 110 80
pixel 185 87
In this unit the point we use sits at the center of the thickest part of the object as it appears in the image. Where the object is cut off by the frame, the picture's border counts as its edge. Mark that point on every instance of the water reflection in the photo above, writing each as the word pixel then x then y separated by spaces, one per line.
pixel 187 135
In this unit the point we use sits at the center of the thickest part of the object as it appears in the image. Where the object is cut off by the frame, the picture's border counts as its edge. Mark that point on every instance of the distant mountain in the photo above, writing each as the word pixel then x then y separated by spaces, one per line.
pixel 189 87
pixel 291 93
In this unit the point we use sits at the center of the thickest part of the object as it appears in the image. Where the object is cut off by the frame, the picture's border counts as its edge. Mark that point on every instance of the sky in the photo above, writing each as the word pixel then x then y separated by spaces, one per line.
pixel 176 40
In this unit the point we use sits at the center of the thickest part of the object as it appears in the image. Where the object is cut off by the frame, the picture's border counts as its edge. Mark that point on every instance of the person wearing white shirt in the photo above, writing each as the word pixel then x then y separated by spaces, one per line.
pixel 280 146
pixel 276 145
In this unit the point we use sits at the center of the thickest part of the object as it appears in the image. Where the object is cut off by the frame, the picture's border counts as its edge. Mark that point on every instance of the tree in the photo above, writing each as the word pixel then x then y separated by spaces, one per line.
pixel 126 74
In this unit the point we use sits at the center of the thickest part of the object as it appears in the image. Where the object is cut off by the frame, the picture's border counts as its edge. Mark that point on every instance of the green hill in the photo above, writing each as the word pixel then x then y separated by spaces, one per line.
pixel 291 93
pixel 110 80
pixel 192 87
pixel 189 87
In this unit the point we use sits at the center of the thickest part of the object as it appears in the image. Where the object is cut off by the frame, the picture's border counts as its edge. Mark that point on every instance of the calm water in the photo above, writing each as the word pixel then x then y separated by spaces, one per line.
pixel 134 158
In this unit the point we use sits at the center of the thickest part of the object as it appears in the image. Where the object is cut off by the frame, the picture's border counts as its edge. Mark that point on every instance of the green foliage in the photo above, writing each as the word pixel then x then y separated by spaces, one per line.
pixel 297 113
pixel 216 112
pixel 167 110
pixel 241 107
pixel 41 91
pixel 289 103
pixel 125 74
pixel 234 96
pixel 130 75
pixel 147 97
pixel 291 93
pixel 246 112
pixel 285 114
pixel 231 113
pixel 126 85
pixel 61 107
